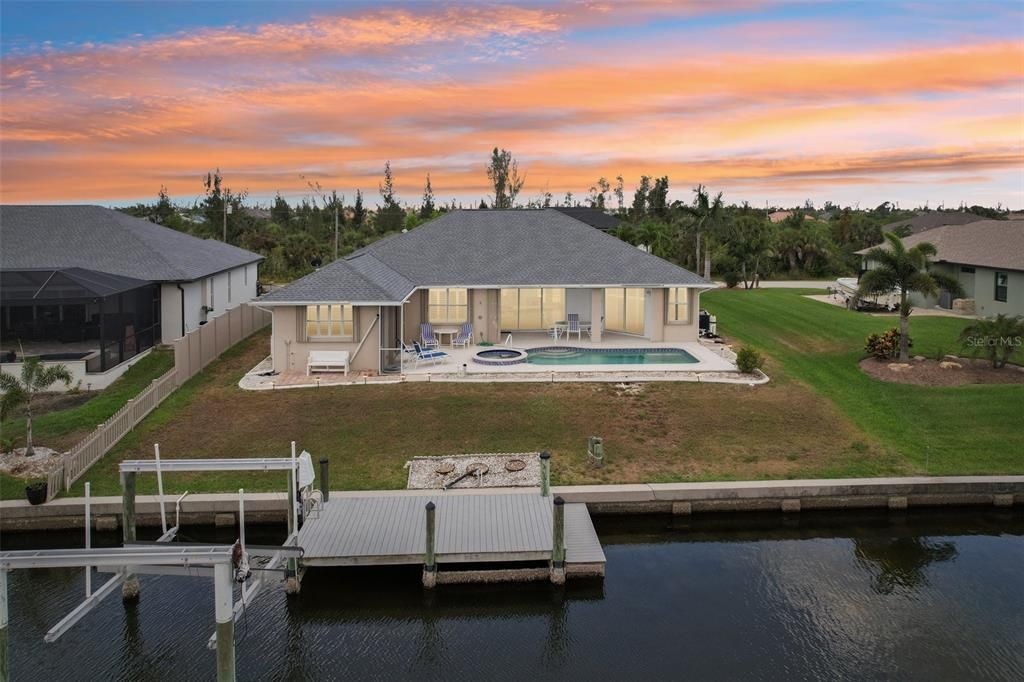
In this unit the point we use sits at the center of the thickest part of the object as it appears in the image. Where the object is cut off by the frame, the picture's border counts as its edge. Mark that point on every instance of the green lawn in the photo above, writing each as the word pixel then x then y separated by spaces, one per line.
pixel 965 429
pixel 63 428
pixel 820 416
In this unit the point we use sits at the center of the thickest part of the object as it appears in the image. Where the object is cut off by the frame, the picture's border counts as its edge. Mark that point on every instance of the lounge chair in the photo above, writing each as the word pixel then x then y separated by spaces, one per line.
pixel 464 336
pixel 427 336
pixel 427 355
pixel 573 326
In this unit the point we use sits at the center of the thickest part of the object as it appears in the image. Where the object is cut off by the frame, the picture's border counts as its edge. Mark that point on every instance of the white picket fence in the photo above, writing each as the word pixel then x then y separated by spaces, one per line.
pixel 192 352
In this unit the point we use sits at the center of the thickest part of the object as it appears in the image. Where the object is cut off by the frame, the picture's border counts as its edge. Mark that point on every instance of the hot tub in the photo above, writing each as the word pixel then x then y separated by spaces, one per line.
pixel 499 356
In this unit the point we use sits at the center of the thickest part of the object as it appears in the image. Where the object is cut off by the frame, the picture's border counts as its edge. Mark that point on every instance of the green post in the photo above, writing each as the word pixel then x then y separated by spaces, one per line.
pixel 429 557
pixel 130 589
pixel 558 534
pixel 224 613
pixel 5 664
pixel 545 473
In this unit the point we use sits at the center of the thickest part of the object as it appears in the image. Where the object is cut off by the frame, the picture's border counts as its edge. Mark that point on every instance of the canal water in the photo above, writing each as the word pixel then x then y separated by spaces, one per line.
pixel 920 595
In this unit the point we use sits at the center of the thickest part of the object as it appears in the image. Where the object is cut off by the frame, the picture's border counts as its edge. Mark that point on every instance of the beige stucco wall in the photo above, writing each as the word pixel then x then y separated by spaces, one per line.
pixel 290 349
pixel 680 332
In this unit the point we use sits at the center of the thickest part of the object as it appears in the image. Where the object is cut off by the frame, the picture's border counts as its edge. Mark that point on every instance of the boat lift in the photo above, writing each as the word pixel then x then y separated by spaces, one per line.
pixel 165 557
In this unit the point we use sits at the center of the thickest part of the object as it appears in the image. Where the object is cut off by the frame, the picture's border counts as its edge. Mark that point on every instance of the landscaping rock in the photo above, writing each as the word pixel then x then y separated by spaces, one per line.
pixel 15 463
pixel 950 365
pixel 899 366
pixel 919 358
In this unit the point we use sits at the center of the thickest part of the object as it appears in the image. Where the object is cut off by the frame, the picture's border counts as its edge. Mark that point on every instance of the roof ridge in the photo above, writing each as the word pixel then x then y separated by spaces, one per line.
pixel 159 255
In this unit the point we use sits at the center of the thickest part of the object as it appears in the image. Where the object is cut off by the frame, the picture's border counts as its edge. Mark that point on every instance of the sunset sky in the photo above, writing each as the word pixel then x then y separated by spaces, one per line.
pixel 773 102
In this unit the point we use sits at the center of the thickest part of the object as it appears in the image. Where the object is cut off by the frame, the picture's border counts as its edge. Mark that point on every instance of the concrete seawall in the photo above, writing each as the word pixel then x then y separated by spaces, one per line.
pixel 646 498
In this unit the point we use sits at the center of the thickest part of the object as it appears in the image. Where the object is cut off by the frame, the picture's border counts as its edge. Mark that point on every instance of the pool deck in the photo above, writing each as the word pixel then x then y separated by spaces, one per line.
pixel 715 364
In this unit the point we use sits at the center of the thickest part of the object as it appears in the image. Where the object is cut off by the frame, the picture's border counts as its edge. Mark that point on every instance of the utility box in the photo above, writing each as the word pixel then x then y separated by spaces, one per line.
pixel 595 450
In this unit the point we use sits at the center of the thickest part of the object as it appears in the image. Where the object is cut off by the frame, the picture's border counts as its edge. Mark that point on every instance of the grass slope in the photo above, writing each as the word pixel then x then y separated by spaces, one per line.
pixel 63 428
pixel 819 417
pixel 953 430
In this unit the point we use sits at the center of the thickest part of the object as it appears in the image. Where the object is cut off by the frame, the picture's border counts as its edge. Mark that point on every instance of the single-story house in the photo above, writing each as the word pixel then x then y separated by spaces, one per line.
pixel 515 271
pixel 985 256
pixel 90 283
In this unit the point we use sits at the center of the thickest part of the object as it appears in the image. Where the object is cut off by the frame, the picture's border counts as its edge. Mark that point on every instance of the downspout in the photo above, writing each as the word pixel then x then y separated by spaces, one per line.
pixel 182 290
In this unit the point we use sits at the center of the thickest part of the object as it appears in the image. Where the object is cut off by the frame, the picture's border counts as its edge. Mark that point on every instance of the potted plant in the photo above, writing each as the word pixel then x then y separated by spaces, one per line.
pixel 36 492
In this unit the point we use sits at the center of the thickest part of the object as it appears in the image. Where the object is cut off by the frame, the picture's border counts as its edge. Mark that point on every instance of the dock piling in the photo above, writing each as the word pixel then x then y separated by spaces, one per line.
pixel 224 612
pixel 545 473
pixel 558 542
pixel 130 589
pixel 291 585
pixel 429 558
pixel 325 479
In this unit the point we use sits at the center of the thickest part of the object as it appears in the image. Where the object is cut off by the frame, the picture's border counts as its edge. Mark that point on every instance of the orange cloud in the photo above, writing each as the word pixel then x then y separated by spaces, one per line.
pixel 119 121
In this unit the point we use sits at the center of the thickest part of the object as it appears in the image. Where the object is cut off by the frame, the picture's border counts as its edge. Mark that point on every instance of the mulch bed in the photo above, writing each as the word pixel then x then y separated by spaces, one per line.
pixel 930 373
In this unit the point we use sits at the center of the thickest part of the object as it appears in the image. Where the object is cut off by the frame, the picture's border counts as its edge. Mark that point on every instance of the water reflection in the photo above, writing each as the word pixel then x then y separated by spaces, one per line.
pixel 901 562
pixel 915 596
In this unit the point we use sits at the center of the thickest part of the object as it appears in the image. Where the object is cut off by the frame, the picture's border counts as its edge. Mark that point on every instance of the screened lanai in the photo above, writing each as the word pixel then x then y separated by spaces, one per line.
pixel 75 313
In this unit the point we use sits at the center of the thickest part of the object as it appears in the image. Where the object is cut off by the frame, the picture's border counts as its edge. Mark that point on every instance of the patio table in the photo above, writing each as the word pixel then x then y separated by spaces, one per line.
pixel 450 332
pixel 563 327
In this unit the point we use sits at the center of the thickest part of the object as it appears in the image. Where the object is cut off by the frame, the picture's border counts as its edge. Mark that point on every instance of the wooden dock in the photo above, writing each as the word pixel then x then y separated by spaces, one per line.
pixel 492 530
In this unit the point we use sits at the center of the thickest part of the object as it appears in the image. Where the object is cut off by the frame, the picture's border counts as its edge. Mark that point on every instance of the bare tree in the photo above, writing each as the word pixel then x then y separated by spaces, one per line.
pixel 503 172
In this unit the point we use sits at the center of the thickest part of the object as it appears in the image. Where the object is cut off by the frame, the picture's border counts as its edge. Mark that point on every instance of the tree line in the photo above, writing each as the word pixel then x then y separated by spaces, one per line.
pixel 736 242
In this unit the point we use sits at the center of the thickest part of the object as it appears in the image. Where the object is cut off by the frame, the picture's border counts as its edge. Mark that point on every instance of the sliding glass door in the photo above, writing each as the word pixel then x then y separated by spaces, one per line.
pixel 624 310
pixel 531 308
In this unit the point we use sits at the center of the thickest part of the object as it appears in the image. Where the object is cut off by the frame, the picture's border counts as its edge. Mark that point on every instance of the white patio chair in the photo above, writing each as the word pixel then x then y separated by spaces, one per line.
pixel 573 326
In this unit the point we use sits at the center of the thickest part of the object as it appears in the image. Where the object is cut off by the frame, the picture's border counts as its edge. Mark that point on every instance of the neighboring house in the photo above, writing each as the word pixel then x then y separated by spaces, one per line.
pixel 502 270
pixel 928 220
pixel 779 216
pixel 94 281
pixel 595 217
pixel 985 256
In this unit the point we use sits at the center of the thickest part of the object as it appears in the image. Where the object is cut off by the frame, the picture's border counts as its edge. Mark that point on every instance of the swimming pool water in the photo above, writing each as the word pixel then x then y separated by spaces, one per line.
pixel 565 355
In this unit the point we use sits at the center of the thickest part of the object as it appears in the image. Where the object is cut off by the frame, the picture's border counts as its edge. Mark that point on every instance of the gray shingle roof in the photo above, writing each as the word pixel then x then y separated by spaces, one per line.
pixel 102 239
pixel 984 243
pixel 931 219
pixel 513 248
pixel 595 217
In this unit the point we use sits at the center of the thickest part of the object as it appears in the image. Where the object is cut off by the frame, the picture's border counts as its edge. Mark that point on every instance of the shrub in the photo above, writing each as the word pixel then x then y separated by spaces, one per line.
pixel 748 359
pixel 731 279
pixel 994 338
pixel 885 346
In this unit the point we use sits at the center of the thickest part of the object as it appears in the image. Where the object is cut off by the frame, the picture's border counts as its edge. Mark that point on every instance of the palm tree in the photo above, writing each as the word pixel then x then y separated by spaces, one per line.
pixel 897 267
pixel 707 211
pixel 35 378
pixel 997 338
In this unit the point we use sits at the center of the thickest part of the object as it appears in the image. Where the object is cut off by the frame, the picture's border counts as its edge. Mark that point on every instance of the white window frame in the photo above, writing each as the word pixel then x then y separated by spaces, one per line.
pixel 328 307
pixel 448 306
pixel 669 305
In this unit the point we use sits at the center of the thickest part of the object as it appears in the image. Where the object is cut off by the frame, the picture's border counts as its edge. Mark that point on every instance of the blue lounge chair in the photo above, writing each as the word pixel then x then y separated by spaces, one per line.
pixel 573 326
pixel 427 355
pixel 464 336
pixel 427 336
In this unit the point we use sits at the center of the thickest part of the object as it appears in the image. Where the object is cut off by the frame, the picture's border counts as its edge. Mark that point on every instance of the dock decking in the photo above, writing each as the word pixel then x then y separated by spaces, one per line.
pixel 357 530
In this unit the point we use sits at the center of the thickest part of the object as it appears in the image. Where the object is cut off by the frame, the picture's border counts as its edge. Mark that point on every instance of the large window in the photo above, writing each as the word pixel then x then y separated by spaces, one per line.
pixel 678 305
pixel 447 306
pixel 1002 280
pixel 531 308
pixel 624 310
pixel 329 322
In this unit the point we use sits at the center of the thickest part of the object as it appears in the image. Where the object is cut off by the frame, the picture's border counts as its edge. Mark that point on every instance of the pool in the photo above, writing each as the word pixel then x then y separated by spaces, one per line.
pixel 568 355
